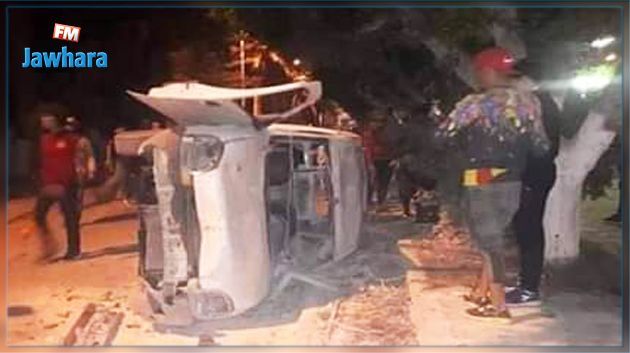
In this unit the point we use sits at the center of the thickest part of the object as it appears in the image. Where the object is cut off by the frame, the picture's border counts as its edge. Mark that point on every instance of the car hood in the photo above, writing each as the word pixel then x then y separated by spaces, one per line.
pixel 198 104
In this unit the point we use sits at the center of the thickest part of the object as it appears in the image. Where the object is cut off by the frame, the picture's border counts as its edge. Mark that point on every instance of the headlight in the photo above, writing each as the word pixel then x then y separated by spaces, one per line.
pixel 201 153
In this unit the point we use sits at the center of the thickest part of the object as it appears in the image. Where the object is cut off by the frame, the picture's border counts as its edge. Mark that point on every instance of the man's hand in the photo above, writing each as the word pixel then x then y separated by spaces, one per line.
pixel 91 168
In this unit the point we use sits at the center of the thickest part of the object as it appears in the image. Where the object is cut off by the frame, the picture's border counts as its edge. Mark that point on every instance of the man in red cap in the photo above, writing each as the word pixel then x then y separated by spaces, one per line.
pixel 495 130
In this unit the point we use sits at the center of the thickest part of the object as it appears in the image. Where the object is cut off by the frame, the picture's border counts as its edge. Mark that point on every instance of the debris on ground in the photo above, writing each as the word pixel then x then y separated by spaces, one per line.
pixel 96 326
pixel 64 315
pixel 300 315
pixel 50 326
pixel 378 315
pixel 447 235
pixel 447 247
pixel 19 310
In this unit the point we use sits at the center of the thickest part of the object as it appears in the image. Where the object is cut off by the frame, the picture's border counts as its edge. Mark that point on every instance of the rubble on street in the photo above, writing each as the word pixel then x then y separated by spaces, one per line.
pixel 402 287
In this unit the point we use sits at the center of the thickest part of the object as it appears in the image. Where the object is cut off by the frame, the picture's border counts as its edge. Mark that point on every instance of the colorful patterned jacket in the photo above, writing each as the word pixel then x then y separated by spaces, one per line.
pixel 496 129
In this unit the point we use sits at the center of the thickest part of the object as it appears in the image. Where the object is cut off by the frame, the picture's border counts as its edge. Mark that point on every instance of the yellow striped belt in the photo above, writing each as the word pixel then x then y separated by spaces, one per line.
pixel 482 176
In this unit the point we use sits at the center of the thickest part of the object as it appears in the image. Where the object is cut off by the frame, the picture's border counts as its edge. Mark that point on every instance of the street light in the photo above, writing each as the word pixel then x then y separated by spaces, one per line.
pixel 602 42
pixel 591 82
pixel 611 57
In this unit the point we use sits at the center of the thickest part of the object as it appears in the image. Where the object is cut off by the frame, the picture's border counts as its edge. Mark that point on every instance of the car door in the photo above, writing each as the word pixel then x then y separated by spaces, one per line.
pixel 349 190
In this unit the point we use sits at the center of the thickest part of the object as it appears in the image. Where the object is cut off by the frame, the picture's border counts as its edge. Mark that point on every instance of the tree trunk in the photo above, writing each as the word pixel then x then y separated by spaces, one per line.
pixel 576 157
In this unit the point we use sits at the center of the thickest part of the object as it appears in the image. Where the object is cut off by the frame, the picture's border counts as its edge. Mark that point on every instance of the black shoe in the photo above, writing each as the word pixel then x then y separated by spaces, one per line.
pixel 615 218
pixel 519 297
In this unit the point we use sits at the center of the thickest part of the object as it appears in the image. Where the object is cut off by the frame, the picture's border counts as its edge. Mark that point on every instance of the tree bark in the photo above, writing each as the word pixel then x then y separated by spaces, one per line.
pixel 576 158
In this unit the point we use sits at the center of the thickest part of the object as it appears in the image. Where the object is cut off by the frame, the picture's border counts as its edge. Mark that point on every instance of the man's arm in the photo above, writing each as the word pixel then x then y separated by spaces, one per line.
pixel 85 157
pixel 540 143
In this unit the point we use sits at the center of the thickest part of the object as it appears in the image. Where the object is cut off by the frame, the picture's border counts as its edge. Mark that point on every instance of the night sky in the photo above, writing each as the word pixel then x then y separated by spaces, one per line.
pixel 333 42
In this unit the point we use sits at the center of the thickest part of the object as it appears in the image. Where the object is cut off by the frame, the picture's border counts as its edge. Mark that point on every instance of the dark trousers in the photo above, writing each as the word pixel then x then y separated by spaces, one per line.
pixel 490 209
pixel 409 183
pixel 406 189
pixel 70 204
pixel 383 177
pixel 530 235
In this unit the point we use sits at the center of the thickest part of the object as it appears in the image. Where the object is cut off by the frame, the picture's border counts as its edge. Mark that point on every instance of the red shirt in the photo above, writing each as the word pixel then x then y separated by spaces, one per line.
pixel 57 152
pixel 380 150
pixel 368 145
pixel 375 145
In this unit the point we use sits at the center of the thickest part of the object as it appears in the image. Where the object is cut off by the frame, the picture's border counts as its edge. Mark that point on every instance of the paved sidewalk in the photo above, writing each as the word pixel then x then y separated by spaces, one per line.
pixel 438 314
pixel 581 307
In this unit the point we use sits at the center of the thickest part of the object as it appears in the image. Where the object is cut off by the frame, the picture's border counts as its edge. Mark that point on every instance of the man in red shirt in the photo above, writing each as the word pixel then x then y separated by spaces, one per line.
pixel 58 182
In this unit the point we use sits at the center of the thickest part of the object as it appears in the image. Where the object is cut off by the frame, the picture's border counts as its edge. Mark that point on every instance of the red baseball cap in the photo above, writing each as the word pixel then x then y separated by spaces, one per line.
pixel 498 59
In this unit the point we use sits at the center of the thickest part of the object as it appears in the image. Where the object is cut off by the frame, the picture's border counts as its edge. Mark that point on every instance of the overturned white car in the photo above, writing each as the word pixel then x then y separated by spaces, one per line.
pixel 232 196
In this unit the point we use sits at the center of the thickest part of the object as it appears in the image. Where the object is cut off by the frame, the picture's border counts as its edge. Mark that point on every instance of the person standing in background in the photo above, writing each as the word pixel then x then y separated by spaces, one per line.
pixel 416 156
pixel 59 182
pixel 99 147
pixel 85 160
pixel 537 180
pixel 616 217
pixel 117 171
pixel 383 160
pixel 111 159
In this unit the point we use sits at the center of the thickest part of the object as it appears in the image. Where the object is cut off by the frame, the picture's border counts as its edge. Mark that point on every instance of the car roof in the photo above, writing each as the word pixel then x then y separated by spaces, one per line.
pixel 310 132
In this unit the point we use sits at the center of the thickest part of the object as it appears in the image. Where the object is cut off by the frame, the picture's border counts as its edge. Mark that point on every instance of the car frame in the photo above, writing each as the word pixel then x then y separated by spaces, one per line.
pixel 235 196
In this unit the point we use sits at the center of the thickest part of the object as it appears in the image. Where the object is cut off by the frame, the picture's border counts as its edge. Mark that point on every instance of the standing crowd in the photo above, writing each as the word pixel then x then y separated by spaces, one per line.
pixel 506 136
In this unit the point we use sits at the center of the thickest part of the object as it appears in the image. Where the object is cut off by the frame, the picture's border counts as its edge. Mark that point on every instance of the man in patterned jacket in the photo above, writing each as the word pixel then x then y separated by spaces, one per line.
pixel 495 129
